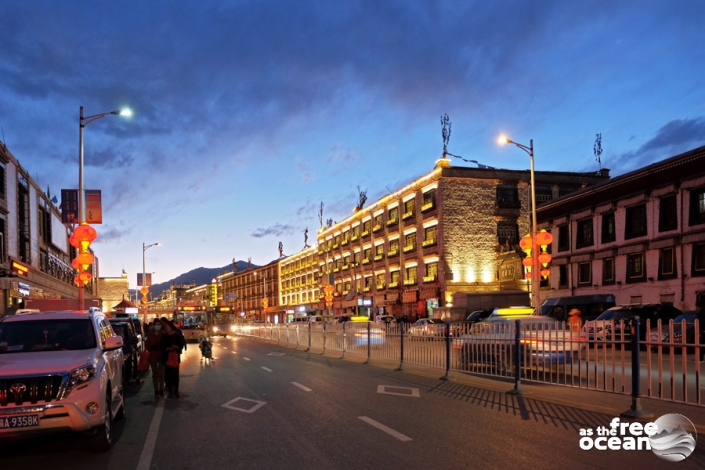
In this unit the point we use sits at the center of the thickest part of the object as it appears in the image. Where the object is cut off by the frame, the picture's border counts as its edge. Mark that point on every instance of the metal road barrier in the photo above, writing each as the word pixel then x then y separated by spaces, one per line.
pixel 638 358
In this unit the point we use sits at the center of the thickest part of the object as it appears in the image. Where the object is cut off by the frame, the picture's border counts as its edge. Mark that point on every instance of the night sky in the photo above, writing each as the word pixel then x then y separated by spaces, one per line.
pixel 248 114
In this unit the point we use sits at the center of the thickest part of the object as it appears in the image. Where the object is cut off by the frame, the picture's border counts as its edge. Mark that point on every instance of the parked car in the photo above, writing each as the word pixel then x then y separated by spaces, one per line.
pixel 357 334
pixel 385 319
pixel 614 324
pixel 123 327
pixel 60 371
pixel 426 328
pixel 678 336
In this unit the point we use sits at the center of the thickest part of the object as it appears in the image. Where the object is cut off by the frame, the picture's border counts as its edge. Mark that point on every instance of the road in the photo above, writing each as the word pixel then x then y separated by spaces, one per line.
pixel 289 409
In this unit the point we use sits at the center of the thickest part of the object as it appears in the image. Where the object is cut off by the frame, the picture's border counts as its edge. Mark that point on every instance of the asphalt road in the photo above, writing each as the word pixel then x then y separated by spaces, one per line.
pixel 261 406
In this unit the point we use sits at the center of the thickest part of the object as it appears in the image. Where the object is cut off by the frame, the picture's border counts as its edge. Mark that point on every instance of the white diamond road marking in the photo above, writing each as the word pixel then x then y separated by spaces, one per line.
pixel 276 354
pixel 258 405
pixel 302 387
pixel 389 390
pixel 384 428
pixel 246 358
pixel 267 369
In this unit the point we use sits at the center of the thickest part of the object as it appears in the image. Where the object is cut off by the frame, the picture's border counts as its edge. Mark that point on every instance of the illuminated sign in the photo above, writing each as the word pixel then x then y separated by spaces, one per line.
pixel 23 289
pixel 364 302
pixel 20 269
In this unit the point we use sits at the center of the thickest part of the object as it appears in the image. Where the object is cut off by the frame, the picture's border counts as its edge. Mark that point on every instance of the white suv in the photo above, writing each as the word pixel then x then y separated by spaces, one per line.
pixel 60 371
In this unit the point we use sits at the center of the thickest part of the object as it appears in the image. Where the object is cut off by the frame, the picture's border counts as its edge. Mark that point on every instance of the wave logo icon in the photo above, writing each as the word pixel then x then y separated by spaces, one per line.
pixel 675 439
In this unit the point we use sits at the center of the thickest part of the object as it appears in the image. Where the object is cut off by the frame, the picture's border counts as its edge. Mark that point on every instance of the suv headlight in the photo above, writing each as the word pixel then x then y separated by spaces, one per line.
pixel 79 376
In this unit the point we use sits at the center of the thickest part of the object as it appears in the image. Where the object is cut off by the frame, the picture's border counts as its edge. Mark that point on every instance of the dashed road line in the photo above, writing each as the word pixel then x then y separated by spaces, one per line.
pixel 234 352
pixel 384 428
pixel 267 369
pixel 145 462
pixel 302 387
pixel 246 358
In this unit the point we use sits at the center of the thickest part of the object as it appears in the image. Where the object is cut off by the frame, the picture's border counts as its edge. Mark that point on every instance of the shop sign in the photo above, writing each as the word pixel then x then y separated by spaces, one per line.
pixel 23 289
pixel 364 302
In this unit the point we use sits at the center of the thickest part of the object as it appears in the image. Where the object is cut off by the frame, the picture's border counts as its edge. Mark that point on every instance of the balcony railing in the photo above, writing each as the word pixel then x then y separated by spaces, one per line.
pixel 366 289
pixel 335 270
pixel 346 266
pixel 428 279
pixel 380 286
pixel 377 228
pixel 378 257
pixel 393 252
pixel 407 215
pixel 410 282
pixel 335 246
pixel 345 242
pixel 431 242
pixel 365 233
pixel 428 206
pixel 393 284
pixel 354 237
pixel 392 221
pixel 409 248
pixel 366 261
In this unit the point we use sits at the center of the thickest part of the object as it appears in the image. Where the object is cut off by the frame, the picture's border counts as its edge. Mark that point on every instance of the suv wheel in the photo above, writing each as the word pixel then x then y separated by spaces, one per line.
pixel 102 437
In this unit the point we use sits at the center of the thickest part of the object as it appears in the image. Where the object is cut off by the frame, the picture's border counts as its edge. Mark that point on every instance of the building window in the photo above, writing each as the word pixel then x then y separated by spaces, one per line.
pixel 355 233
pixel 563 276
pixel 607 271
pixel 346 238
pixel 393 216
pixel 367 254
pixel 379 223
pixel 507 232
pixel 409 207
pixel 584 235
pixel 379 252
pixel 346 262
pixel 410 277
pixel 635 222
pixel 667 263
pixel 563 238
pixel 394 279
pixel 667 214
pixel 608 231
pixel 380 281
pixel 636 271
pixel 337 241
pixel 410 242
pixel 429 200
pixel 698 259
pixel 366 228
pixel 430 236
pixel 508 197
pixel 697 206
pixel 2 181
pixel 431 272
pixel 368 283
pixel 346 289
pixel 543 194
pixel 44 225
pixel 584 274
pixel 393 247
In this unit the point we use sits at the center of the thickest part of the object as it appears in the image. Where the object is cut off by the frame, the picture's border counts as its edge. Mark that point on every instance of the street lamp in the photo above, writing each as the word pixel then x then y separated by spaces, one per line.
pixel 83 122
pixel 535 278
pixel 145 289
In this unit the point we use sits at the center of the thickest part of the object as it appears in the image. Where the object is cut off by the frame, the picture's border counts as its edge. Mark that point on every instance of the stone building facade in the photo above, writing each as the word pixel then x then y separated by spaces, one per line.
pixel 639 236
pixel 113 290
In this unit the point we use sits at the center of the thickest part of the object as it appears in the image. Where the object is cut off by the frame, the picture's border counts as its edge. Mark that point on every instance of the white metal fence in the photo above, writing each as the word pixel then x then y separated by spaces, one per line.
pixel 661 362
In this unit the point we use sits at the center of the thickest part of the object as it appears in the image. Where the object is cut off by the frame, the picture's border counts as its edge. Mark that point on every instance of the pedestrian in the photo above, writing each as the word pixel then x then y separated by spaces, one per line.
pixel 574 320
pixel 171 345
pixel 153 345
pixel 173 323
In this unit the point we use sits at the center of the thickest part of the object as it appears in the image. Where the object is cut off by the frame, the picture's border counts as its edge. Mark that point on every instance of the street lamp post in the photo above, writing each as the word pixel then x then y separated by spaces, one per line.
pixel 144 275
pixel 535 277
pixel 83 122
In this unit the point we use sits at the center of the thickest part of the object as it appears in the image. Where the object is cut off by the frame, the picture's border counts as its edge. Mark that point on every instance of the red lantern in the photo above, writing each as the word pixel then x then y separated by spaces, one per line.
pixel 75 264
pixel 77 281
pixel 85 233
pixel 526 243
pixel 544 238
pixel 144 299
pixel 545 272
pixel 544 259
pixel 75 242
pixel 144 291
pixel 85 276
pixel 528 274
pixel 85 258
pixel 528 262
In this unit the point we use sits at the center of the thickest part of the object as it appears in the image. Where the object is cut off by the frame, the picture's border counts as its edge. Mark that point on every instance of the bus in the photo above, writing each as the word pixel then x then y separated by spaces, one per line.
pixel 192 319
pixel 220 321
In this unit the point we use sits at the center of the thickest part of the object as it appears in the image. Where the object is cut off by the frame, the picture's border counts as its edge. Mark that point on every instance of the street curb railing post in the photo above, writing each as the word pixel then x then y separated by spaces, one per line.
pixel 517 390
pixel 636 411
pixel 447 334
pixel 324 339
pixel 343 356
pixel 369 345
pixel 401 347
pixel 309 337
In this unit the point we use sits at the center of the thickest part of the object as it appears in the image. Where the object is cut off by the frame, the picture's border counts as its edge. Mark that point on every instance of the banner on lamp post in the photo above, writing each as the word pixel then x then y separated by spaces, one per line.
pixel 94 206
pixel 148 277
pixel 69 206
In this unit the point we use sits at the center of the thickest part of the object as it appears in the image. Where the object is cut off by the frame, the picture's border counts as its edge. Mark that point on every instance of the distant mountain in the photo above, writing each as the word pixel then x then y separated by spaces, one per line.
pixel 198 276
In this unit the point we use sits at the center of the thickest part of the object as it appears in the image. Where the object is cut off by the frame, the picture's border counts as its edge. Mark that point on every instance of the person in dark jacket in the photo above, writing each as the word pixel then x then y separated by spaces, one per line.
pixel 171 341
pixel 153 345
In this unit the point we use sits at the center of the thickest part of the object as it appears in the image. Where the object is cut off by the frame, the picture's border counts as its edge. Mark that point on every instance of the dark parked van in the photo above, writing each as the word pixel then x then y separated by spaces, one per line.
pixel 590 306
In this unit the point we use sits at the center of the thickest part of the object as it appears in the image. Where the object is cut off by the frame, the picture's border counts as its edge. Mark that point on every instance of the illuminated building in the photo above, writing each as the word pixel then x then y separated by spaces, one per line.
pixel 454 229
pixel 113 290
pixel 254 293
pixel 639 236
pixel 299 286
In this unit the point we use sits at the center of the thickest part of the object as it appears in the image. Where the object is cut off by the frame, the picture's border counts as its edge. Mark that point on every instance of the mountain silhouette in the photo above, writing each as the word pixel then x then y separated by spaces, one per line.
pixel 198 276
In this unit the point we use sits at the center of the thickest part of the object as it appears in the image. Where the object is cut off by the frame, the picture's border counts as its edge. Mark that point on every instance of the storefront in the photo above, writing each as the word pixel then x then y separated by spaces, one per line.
pixel 429 299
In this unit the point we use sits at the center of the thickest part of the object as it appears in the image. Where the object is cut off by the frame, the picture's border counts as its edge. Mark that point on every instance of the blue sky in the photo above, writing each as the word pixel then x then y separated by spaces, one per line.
pixel 248 114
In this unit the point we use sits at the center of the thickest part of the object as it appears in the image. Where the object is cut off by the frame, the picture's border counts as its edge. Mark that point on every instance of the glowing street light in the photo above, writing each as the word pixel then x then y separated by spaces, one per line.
pixel 145 289
pixel 83 122
pixel 535 279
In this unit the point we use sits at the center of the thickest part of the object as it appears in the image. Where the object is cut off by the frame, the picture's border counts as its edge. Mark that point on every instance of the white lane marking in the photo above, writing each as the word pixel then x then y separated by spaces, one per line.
pixel 267 369
pixel 246 358
pixel 145 462
pixel 302 387
pixel 384 428
pixel 276 354
pixel 403 391
pixel 225 347
pixel 258 405
pixel 234 352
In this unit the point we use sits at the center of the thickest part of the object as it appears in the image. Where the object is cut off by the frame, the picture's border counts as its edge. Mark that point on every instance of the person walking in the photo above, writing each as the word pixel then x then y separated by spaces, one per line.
pixel 172 343
pixel 574 320
pixel 153 345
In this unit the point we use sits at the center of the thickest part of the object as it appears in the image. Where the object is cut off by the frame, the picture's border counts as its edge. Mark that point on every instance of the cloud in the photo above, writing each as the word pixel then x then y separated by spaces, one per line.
pixel 108 158
pixel 112 235
pixel 276 230
pixel 307 211
pixel 305 169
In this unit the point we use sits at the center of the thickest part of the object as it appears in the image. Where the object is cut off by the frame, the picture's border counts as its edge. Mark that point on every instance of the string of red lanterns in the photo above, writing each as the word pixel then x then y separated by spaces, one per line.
pixel 81 238
pixel 543 239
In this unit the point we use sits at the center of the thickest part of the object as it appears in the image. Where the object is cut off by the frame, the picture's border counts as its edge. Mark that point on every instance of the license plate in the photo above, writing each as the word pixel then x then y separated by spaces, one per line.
pixel 19 421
